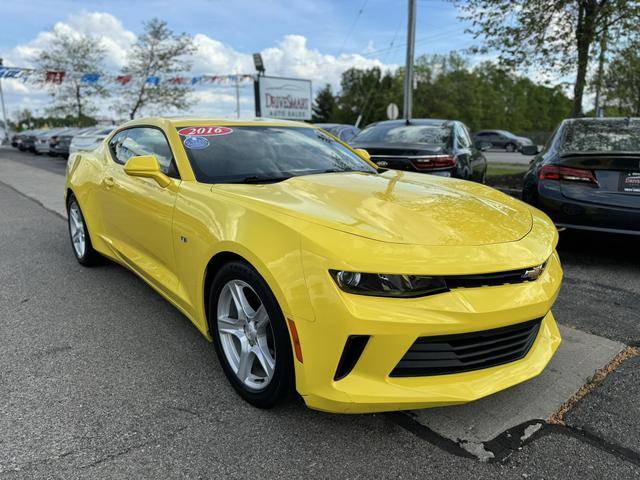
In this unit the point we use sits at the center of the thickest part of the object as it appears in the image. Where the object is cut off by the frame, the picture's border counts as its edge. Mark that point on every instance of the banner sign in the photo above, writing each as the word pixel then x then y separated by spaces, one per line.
pixel 286 98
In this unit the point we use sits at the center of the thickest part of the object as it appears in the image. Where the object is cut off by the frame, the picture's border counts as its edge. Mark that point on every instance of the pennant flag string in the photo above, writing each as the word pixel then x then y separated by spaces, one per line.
pixel 57 77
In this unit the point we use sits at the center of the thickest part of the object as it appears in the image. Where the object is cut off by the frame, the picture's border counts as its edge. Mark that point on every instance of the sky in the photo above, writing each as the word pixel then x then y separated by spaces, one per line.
pixel 314 39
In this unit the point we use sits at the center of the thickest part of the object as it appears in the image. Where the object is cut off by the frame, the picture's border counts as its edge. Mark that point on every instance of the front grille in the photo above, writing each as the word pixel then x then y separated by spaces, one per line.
pixel 493 279
pixel 447 354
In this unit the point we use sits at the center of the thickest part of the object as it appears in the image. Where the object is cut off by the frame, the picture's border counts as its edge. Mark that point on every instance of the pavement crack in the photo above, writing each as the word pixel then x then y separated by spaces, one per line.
pixel 126 451
pixel 598 377
pixel 185 410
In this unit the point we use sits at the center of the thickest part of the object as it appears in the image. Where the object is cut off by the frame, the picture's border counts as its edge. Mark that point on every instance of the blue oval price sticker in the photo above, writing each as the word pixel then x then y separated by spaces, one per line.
pixel 196 143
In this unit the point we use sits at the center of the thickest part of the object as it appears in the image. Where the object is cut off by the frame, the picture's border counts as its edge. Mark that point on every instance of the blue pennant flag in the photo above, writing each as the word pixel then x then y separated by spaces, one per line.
pixel 9 72
pixel 90 78
pixel 153 80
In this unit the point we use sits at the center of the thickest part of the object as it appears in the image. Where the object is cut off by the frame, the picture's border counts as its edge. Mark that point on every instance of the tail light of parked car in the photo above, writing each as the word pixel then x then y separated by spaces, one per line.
pixel 569 174
pixel 433 161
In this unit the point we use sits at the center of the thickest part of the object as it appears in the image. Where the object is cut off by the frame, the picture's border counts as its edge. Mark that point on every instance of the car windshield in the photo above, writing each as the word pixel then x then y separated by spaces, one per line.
pixel 602 136
pixel 429 134
pixel 237 154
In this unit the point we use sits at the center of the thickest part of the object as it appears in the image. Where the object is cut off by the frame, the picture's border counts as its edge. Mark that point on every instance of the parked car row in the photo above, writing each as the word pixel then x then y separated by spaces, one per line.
pixel 490 138
pixel 587 177
pixel 60 141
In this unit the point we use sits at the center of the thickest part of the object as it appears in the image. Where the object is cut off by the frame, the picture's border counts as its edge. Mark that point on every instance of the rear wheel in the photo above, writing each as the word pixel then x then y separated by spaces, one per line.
pixel 510 147
pixel 79 235
pixel 250 336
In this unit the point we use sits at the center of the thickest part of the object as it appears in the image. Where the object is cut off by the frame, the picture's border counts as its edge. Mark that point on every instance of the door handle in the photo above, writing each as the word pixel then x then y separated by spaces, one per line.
pixel 108 182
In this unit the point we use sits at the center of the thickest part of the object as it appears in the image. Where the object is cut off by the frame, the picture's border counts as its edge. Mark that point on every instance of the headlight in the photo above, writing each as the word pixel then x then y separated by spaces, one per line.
pixel 383 285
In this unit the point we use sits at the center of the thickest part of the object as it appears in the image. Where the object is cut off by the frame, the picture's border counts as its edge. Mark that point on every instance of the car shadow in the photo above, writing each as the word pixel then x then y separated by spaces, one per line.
pixel 594 247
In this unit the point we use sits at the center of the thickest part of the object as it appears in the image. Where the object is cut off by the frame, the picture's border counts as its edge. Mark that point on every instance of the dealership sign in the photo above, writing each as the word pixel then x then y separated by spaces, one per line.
pixel 288 98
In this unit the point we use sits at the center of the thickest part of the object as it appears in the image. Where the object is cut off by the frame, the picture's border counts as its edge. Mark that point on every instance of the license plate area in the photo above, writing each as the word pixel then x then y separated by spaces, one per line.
pixel 629 182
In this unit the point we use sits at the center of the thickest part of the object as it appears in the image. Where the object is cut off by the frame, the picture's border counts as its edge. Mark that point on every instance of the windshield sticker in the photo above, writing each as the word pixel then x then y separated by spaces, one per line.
pixel 208 131
pixel 196 143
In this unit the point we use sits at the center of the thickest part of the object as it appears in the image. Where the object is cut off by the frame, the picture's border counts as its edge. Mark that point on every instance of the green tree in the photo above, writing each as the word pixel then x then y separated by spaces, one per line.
pixel 159 53
pixel 557 34
pixel 75 55
pixel 324 106
pixel 365 94
pixel 621 85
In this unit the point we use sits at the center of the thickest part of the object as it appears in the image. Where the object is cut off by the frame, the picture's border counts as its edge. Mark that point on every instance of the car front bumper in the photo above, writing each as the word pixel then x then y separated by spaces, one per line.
pixel 393 325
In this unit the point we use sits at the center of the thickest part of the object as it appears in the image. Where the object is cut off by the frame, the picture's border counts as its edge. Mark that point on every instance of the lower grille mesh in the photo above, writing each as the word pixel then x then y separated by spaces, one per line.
pixel 448 354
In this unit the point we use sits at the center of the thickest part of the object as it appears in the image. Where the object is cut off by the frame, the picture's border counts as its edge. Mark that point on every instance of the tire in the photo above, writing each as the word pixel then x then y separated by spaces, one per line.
pixel 510 147
pixel 265 342
pixel 79 235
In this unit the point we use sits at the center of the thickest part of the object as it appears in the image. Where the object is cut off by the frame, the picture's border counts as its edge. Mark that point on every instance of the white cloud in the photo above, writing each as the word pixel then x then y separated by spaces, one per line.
pixel 291 56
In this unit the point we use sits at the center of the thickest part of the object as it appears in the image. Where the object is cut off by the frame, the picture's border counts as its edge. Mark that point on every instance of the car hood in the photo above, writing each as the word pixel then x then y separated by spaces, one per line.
pixel 396 207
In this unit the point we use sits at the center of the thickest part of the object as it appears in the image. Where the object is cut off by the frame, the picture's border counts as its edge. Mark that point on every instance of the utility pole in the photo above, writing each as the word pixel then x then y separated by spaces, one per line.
pixel 408 73
pixel 237 96
pixel 4 110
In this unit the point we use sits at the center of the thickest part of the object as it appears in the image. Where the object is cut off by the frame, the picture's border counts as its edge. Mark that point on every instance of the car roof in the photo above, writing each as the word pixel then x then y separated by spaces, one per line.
pixel 436 122
pixel 333 125
pixel 193 121
pixel 602 119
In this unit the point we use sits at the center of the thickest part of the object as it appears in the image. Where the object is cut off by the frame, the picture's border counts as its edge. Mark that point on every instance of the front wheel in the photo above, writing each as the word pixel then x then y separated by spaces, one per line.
pixel 250 336
pixel 80 240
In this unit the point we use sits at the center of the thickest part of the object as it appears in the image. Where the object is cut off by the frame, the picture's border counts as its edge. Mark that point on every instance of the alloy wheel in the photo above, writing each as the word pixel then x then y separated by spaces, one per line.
pixel 246 335
pixel 77 229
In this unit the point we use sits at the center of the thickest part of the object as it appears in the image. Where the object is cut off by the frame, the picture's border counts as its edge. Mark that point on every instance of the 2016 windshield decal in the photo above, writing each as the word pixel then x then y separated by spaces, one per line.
pixel 207 131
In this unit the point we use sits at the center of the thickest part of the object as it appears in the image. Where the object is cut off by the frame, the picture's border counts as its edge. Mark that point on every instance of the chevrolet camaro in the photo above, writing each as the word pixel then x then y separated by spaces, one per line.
pixel 313 270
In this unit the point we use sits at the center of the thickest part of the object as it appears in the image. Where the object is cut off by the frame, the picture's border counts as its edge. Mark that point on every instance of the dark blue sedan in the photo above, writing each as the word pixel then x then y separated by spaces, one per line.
pixel 588 175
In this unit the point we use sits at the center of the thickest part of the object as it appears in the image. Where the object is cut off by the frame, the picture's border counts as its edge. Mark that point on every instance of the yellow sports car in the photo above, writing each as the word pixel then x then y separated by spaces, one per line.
pixel 313 270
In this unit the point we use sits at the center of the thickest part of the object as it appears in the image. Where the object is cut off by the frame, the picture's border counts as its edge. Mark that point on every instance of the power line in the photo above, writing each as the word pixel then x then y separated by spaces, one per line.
pixel 433 36
pixel 353 26
pixel 365 104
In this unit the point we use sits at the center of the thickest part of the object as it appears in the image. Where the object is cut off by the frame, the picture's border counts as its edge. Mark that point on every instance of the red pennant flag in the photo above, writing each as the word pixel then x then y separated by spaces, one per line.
pixel 123 79
pixel 54 77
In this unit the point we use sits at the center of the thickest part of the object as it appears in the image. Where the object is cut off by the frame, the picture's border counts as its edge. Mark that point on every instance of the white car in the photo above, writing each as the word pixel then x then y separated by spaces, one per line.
pixel 90 139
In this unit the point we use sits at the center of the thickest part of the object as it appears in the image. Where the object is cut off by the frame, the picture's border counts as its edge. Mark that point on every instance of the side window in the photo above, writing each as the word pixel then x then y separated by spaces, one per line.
pixel 462 136
pixel 347 134
pixel 145 141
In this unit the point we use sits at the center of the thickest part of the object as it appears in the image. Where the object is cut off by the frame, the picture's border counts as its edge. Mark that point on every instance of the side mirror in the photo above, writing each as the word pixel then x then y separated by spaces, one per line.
pixel 483 145
pixel 146 166
pixel 364 154
pixel 529 150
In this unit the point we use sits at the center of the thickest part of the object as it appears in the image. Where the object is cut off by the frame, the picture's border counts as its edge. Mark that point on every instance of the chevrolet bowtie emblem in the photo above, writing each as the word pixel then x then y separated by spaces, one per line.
pixel 533 273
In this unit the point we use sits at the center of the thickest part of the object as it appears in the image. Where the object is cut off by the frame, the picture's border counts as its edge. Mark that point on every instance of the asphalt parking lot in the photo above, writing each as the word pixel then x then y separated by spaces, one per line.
pixel 104 379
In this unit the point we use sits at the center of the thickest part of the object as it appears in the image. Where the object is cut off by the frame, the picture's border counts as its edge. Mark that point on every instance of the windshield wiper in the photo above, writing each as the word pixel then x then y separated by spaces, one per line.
pixel 264 179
